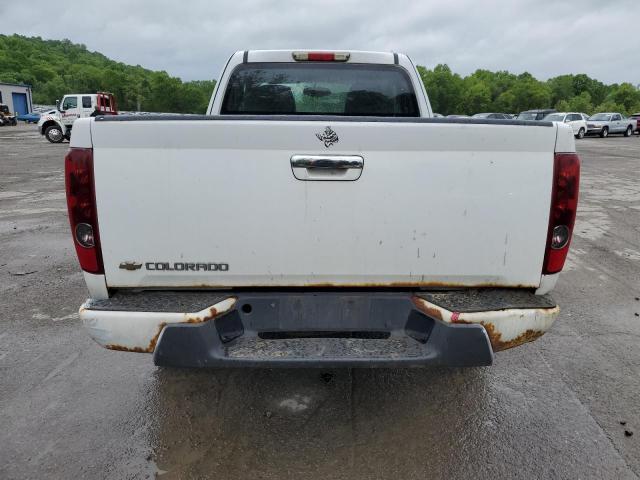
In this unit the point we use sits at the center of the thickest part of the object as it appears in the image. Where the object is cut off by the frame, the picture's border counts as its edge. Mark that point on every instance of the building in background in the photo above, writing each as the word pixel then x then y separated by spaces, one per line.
pixel 17 97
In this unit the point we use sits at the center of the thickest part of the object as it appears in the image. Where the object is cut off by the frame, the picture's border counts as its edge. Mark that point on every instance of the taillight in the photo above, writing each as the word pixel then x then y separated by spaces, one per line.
pixel 320 56
pixel 564 203
pixel 81 203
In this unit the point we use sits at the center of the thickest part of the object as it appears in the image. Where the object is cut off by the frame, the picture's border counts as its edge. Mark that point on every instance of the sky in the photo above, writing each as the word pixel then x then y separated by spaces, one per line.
pixel 192 39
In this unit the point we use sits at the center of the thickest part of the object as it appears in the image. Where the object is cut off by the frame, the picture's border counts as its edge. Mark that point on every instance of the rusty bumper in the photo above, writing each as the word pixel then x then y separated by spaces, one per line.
pixel 506 328
pixel 138 331
pixel 461 328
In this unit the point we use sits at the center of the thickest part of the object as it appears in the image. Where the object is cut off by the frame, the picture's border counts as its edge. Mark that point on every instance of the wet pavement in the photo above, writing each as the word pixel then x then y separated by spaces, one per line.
pixel 565 406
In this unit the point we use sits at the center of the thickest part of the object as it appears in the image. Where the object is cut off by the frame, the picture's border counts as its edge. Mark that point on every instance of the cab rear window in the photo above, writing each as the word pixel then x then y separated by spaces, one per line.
pixel 320 89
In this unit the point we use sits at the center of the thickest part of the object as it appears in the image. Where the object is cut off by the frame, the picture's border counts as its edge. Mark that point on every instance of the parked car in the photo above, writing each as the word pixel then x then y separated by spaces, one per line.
pixel 604 124
pixel 537 114
pixel 457 116
pixel 278 231
pixel 496 116
pixel 57 126
pixel 636 117
pixel 32 117
pixel 574 119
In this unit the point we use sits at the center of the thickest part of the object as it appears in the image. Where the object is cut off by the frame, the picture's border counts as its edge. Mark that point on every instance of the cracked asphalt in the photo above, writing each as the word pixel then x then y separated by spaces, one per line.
pixel 555 408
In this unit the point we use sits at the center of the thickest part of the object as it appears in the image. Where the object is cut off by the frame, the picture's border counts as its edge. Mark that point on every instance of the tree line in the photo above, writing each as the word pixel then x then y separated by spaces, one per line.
pixel 56 67
pixel 485 91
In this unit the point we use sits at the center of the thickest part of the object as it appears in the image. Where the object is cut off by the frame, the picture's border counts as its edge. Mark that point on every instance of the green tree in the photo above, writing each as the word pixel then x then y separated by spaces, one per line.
pixel 498 82
pixel 530 93
pixel 57 67
pixel 610 106
pixel 562 88
pixel 597 90
pixel 505 102
pixel 627 96
pixel 581 103
pixel 444 88
pixel 476 97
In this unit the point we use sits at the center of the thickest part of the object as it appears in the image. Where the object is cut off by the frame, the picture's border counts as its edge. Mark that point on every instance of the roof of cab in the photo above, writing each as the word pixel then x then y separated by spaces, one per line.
pixel 355 56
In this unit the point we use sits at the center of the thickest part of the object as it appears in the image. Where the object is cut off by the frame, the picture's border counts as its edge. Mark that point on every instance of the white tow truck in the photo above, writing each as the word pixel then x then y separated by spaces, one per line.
pixel 57 126
pixel 319 214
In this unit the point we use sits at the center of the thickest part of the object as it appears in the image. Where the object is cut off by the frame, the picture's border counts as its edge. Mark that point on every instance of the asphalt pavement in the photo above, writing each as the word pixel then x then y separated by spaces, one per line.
pixel 565 406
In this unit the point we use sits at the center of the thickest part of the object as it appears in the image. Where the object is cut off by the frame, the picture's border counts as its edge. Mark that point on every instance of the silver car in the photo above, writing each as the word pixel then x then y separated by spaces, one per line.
pixel 605 123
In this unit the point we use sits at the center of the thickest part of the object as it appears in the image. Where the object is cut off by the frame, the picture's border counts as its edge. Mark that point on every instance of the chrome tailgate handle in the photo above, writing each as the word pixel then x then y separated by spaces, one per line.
pixel 334 162
pixel 327 167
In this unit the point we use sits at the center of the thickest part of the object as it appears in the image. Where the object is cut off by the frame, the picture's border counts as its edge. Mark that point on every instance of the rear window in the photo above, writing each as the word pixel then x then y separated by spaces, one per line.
pixel 320 89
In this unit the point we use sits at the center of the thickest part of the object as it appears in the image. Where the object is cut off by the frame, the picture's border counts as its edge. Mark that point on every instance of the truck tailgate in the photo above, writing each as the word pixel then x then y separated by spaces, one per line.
pixel 214 203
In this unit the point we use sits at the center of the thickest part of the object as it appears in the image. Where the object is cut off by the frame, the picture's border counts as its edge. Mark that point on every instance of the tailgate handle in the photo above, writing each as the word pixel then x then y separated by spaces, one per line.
pixel 332 162
pixel 327 167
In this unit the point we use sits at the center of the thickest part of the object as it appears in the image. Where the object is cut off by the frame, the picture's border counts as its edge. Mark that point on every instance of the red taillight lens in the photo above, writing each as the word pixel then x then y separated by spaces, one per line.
pixel 81 203
pixel 564 203
pixel 321 56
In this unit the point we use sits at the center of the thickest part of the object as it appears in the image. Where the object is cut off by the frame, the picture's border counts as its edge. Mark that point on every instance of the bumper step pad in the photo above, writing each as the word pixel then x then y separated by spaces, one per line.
pixel 234 339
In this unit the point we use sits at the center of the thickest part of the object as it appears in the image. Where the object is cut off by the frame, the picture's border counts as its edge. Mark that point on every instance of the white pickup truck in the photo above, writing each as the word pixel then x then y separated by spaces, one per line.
pixel 319 215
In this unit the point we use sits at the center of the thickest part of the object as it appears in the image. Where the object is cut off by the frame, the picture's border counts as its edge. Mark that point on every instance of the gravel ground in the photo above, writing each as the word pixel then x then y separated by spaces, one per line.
pixel 565 406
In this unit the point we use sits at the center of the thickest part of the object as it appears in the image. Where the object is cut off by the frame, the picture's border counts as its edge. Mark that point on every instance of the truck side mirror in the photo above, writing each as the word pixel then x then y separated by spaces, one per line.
pixel 58 105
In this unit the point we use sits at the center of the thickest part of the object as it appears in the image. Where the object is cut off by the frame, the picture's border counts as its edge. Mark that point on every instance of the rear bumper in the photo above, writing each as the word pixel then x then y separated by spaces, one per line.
pixel 290 329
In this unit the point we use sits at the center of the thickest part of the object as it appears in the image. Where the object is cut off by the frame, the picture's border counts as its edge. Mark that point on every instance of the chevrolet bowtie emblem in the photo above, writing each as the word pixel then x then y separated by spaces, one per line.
pixel 130 266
